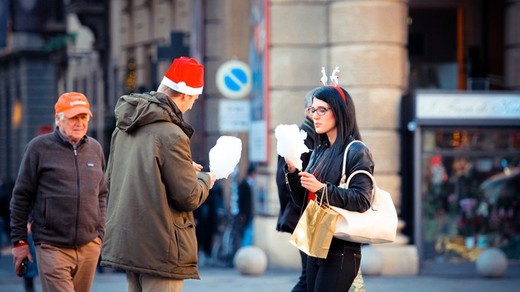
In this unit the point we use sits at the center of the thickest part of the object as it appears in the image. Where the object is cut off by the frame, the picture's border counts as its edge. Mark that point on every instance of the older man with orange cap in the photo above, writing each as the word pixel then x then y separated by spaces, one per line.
pixel 61 190
pixel 154 185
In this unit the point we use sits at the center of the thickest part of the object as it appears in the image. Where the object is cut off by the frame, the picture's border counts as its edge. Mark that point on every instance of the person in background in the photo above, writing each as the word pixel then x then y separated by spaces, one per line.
pixel 5 198
pixel 246 205
pixel 61 186
pixel 154 184
pixel 207 217
pixel 32 268
pixel 335 122
pixel 289 212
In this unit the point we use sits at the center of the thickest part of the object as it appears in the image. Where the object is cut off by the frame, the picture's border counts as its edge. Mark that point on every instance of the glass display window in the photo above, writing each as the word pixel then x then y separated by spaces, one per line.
pixel 470 192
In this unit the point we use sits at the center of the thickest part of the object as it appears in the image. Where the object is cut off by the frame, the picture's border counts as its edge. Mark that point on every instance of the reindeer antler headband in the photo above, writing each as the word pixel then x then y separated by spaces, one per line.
pixel 334 79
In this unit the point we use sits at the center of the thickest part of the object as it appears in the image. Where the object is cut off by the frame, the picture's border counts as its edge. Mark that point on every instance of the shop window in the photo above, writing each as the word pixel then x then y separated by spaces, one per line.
pixel 470 192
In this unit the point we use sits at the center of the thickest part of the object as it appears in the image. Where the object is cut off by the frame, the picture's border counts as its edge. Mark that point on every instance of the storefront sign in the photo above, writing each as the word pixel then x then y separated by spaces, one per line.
pixel 468 106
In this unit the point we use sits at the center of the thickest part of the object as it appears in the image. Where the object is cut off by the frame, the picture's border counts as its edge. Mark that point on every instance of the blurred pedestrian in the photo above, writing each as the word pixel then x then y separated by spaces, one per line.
pixel 207 216
pixel 5 197
pixel 289 212
pixel 246 206
pixel 32 268
pixel 335 122
pixel 61 185
pixel 154 184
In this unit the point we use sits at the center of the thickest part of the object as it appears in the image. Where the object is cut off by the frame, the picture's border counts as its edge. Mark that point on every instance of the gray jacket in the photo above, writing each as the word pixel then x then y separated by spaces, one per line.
pixel 63 189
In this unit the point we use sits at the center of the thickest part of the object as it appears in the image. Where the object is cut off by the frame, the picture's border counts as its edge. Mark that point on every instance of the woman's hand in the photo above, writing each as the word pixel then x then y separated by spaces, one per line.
pixel 310 182
pixel 212 179
pixel 290 166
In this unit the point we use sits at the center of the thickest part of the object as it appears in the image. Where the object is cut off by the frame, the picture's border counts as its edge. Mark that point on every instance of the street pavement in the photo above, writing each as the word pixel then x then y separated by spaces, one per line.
pixel 229 280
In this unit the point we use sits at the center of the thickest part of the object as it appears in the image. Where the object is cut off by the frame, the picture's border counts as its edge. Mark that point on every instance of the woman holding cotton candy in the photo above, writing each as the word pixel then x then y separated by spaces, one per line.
pixel 335 122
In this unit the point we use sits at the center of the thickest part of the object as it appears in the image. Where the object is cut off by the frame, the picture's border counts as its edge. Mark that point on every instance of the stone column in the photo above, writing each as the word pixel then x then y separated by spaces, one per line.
pixel 298 51
pixel 512 45
pixel 368 42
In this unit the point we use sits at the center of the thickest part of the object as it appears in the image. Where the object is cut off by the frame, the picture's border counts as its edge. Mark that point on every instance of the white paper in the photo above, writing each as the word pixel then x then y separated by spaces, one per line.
pixel 224 156
pixel 291 143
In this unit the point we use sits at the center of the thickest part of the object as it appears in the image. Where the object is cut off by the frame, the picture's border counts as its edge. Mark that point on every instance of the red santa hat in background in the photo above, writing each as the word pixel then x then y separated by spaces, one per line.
pixel 185 75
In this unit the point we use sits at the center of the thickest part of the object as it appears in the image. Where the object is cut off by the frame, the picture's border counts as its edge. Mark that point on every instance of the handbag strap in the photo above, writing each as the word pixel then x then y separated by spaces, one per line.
pixel 362 171
pixel 343 173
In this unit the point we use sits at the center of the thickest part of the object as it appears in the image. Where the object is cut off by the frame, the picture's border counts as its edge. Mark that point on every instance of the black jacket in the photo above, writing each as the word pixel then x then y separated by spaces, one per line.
pixel 357 196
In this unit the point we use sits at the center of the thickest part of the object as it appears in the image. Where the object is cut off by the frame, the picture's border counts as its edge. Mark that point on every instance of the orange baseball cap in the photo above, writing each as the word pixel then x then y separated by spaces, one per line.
pixel 72 104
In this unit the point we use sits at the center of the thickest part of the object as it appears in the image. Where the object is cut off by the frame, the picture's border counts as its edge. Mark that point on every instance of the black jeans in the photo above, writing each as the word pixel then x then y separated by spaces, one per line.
pixel 301 286
pixel 337 271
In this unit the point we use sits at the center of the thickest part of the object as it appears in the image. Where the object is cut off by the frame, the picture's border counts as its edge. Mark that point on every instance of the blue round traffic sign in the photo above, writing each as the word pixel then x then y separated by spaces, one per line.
pixel 234 79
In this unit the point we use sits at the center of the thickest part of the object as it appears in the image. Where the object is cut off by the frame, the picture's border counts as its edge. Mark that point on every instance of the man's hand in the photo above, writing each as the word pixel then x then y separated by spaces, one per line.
pixel 19 253
pixel 196 166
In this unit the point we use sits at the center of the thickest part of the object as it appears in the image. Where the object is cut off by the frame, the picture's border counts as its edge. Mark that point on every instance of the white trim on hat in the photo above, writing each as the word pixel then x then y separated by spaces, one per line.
pixel 181 87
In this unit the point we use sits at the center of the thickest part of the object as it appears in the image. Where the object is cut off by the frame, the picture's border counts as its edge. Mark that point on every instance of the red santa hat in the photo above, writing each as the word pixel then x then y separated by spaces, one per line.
pixel 185 75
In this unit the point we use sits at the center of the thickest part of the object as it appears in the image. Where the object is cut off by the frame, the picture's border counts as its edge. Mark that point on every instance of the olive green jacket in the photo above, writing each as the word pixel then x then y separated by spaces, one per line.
pixel 153 190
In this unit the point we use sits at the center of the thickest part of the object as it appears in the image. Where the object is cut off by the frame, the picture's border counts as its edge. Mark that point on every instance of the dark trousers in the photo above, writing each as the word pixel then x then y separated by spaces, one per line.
pixel 337 271
pixel 301 285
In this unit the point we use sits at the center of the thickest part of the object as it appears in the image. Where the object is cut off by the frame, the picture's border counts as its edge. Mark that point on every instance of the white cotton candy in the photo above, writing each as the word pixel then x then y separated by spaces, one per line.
pixel 291 143
pixel 224 156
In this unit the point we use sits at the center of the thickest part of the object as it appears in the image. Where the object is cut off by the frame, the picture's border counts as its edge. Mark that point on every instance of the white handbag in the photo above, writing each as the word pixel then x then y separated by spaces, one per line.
pixel 376 225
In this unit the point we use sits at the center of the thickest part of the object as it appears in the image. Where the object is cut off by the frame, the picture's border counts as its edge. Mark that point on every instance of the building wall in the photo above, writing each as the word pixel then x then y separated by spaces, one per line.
pixel 29 68
pixel 227 35
pixel 28 94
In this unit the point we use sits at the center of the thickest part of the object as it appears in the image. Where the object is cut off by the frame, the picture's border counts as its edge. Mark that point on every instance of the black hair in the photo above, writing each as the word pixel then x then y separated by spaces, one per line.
pixel 346 123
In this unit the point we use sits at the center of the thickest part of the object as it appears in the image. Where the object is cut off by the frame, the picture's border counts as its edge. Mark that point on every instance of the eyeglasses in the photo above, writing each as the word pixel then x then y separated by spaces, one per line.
pixel 320 110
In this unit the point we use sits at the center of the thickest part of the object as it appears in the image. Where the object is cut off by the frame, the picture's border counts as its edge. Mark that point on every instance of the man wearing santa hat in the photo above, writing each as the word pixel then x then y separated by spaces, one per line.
pixel 154 186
